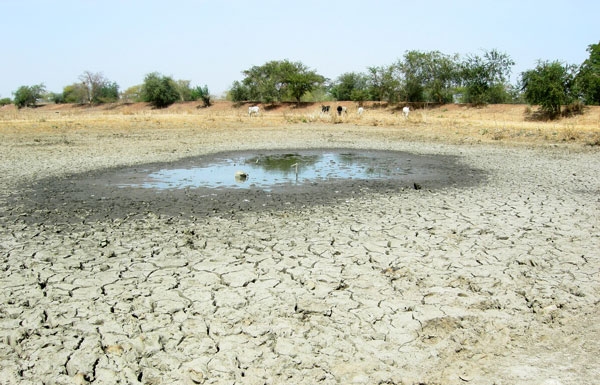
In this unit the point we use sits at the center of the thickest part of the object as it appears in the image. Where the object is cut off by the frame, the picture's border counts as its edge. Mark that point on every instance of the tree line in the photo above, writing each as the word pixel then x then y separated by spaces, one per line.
pixel 95 88
pixel 430 77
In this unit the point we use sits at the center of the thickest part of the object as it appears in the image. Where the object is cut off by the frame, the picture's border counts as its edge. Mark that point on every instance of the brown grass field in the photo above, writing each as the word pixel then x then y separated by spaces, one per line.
pixel 506 124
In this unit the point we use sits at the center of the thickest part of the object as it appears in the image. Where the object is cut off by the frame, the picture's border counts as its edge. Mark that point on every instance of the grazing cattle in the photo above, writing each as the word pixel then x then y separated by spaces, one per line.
pixel 325 109
pixel 253 110
pixel 405 111
pixel 360 111
pixel 341 109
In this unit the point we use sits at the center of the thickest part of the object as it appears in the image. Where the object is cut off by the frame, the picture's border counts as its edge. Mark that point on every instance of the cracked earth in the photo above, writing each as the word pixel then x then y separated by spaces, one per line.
pixel 490 282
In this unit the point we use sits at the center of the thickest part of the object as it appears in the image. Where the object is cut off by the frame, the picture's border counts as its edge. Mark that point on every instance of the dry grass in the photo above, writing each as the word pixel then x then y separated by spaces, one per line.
pixel 449 123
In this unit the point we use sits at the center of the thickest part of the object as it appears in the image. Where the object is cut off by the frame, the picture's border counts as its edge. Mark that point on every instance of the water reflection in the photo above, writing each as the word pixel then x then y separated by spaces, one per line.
pixel 267 170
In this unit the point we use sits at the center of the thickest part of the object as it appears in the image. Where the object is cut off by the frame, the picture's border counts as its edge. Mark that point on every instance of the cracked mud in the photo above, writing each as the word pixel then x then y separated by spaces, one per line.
pixel 492 278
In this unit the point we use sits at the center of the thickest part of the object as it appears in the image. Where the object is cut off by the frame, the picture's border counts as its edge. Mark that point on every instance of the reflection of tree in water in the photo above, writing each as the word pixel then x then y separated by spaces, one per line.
pixel 370 164
pixel 324 164
pixel 283 162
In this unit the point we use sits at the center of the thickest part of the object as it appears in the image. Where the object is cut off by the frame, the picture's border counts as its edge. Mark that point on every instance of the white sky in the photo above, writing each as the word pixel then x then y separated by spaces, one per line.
pixel 212 42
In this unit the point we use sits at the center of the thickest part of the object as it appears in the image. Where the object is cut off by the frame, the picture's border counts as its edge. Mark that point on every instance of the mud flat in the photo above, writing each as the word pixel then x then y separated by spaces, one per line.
pixel 489 276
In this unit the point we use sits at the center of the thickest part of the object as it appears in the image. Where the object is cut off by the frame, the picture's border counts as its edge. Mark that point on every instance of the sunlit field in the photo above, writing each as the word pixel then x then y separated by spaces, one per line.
pixel 448 123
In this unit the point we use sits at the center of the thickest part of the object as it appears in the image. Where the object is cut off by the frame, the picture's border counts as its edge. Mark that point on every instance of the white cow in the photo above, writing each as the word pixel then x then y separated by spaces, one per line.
pixel 360 111
pixel 405 111
pixel 253 110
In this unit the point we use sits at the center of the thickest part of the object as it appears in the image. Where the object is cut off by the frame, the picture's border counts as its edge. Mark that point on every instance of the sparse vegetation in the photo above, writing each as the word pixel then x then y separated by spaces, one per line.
pixel 418 78
pixel 452 123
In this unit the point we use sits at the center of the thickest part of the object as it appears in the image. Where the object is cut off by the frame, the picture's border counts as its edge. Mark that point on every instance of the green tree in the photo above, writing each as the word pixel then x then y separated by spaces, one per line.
pixel 350 86
pixel 300 81
pixel 485 78
pixel 75 93
pixel 185 92
pixel 55 97
pixel 132 94
pixel 428 76
pixel 549 85
pixel 159 90
pixel 588 76
pixel 98 89
pixel 238 92
pixel 5 101
pixel 201 93
pixel 27 96
pixel 276 81
pixel 263 83
pixel 384 85
pixel 108 93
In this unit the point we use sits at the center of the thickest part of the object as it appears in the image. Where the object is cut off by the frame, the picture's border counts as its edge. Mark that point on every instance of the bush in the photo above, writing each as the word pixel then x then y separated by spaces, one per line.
pixel 159 90
pixel 74 93
pixel 56 98
pixel 549 85
pixel 107 93
pixel 238 92
pixel 201 93
pixel 575 108
pixel 27 96
pixel 5 101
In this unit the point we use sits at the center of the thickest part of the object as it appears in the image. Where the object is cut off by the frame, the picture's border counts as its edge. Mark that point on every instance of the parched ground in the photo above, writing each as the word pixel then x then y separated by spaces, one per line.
pixel 491 278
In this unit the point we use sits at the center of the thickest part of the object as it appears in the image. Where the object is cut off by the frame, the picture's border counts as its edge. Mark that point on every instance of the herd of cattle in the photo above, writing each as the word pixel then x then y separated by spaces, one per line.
pixel 341 110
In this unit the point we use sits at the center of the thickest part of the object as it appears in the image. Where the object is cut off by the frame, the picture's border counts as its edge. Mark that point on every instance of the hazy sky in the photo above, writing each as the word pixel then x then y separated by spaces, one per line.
pixel 211 42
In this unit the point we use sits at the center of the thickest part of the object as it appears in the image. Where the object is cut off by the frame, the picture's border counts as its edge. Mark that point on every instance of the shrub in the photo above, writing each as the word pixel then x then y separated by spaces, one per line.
pixel 575 108
pixel 201 93
pixel 159 90
pixel 27 96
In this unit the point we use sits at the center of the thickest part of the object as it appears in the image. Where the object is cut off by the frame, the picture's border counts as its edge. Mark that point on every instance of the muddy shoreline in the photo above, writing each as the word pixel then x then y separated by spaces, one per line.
pixel 104 194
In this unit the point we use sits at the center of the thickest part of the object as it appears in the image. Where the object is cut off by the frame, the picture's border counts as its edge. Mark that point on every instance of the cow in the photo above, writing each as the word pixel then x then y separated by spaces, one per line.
pixel 253 110
pixel 360 111
pixel 405 111
pixel 325 109
pixel 341 109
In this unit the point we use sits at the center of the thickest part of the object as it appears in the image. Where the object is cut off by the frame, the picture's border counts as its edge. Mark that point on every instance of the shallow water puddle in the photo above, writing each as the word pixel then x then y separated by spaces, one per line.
pixel 264 171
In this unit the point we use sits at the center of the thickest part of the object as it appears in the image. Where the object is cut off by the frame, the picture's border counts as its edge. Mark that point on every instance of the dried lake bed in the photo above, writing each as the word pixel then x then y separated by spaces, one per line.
pixel 487 273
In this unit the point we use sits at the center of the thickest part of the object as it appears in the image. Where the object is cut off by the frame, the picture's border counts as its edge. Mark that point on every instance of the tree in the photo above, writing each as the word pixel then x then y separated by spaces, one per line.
pixel 132 94
pixel 201 93
pixel 300 80
pixel 238 92
pixel 276 81
pixel 485 78
pixel 54 97
pixel 550 85
pixel 98 89
pixel 263 83
pixel 428 76
pixel 159 90
pixel 75 93
pixel 27 96
pixel 350 86
pixel 108 93
pixel 588 76
pixel 185 92
pixel 383 83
